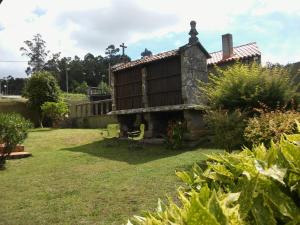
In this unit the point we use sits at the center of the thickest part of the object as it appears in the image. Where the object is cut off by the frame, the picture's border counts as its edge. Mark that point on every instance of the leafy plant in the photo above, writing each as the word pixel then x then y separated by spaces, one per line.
pixel 13 130
pixel 227 128
pixel 270 126
pixel 245 86
pixel 259 186
pixel 175 132
pixel 56 111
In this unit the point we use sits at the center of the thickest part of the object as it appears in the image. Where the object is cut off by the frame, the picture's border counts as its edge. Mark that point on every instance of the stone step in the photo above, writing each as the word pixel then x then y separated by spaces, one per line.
pixel 19 155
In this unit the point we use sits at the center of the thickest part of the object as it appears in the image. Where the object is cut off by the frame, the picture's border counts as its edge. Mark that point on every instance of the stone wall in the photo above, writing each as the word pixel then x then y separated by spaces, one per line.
pixel 91 121
pixel 193 69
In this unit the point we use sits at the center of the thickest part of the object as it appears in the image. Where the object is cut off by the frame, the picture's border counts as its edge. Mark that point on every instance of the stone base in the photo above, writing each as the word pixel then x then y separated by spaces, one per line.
pixel 196 128
pixel 156 123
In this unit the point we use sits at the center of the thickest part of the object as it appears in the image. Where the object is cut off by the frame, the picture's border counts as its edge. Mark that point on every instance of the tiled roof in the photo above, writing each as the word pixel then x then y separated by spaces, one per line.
pixel 146 59
pixel 239 52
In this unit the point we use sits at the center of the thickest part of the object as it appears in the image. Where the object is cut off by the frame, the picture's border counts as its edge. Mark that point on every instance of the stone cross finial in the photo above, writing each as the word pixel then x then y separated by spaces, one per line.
pixel 193 33
pixel 123 48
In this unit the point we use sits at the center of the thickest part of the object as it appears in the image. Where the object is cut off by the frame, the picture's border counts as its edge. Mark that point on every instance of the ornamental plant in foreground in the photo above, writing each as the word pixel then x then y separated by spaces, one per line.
pixel 258 186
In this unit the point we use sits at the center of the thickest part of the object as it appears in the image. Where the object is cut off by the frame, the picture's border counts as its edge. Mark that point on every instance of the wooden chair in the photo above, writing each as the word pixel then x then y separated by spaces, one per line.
pixel 111 133
pixel 136 137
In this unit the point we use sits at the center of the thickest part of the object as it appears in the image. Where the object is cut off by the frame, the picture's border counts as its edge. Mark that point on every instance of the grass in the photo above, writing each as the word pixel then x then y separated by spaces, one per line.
pixel 73 178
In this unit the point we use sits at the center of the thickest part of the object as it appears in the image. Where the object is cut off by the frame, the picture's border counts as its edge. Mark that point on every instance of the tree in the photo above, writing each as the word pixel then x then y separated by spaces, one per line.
pixel 41 87
pixel 111 51
pixel 36 52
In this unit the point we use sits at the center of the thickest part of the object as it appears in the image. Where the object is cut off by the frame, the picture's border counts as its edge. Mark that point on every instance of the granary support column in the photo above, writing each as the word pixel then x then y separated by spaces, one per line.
pixel 193 67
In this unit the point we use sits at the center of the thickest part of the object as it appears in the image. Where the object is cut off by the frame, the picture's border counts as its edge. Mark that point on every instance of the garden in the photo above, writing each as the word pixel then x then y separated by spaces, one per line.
pixel 248 171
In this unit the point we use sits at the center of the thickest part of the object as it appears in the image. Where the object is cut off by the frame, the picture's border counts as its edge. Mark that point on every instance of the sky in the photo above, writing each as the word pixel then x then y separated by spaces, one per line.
pixel 78 27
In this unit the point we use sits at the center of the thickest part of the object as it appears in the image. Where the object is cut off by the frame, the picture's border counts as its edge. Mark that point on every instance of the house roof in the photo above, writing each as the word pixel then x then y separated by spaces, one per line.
pixel 239 52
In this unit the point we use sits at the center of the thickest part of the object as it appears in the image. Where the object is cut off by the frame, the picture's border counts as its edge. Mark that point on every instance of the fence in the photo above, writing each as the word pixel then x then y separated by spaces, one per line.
pixel 94 108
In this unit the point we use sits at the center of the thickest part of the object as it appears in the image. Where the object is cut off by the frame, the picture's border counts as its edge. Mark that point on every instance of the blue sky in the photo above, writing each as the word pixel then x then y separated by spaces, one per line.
pixel 78 27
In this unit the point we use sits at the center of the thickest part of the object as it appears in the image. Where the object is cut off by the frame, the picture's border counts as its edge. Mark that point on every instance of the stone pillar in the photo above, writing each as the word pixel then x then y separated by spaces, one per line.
pixel 89 109
pixel 150 128
pixel 96 109
pixel 101 108
pixel 113 91
pixel 196 128
pixel 107 107
pixel 144 87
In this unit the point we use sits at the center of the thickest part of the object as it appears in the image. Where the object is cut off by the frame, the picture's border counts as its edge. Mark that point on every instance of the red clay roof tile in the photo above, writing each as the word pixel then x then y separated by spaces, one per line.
pixel 239 52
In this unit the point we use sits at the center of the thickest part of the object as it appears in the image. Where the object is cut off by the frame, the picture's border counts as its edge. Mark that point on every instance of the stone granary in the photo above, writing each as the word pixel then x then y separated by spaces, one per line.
pixel 158 88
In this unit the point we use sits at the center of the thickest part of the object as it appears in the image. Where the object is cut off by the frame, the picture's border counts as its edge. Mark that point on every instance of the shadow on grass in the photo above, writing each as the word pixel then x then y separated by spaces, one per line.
pixel 120 151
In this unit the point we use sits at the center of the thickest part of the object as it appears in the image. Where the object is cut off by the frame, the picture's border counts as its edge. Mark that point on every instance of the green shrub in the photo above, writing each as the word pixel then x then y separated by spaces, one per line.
pixel 175 132
pixel 104 88
pixel 56 111
pixel 270 126
pixel 246 86
pixel 13 130
pixel 252 187
pixel 227 128
pixel 82 88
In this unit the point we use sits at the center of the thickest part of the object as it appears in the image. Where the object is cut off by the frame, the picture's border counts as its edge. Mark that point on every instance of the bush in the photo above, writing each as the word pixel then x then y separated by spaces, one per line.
pixel 13 130
pixel 227 128
pixel 257 187
pixel 56 111
pixel 41 87
pixel 246 86
pixel 82 88
pixel 175 132
pixel 270 126
pixel 104 88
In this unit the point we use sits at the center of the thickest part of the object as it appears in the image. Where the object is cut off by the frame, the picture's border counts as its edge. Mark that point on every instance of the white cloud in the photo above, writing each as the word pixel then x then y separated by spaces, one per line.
pixel 76 27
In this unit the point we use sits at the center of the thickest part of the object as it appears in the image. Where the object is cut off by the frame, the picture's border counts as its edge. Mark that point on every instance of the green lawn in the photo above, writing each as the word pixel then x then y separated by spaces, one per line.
pixel 73 178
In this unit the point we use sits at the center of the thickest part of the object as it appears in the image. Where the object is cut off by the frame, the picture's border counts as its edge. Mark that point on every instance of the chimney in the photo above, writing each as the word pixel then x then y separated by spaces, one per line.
pixel 227 45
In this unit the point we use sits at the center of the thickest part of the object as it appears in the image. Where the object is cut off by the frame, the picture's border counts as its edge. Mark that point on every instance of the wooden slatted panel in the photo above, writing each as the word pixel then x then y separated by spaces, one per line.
pixel 129 89
pixel 164 82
